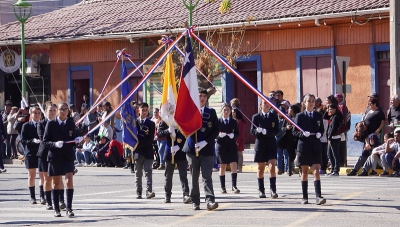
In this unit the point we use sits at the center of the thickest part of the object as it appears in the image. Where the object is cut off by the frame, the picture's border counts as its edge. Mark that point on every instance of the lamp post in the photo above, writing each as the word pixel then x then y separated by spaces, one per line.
pixel 22 11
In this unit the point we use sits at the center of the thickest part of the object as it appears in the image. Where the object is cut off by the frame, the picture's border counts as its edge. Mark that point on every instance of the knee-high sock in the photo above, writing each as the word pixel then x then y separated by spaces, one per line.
pixel 261 184
pixel 304 187
pixel 41 191
pixel 317 186
pixel 70 196
pixel 32 192
pixel 272 184
pixel 56 199
pixel 222 181
pixel 48 197
pixel 61 194
pixel 234 179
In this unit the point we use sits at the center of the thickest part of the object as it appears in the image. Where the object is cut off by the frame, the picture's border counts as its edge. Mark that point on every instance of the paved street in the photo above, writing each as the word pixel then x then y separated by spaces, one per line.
pixel 105 197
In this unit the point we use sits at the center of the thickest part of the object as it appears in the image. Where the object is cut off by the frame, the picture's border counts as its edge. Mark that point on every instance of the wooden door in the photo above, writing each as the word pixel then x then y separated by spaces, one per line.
pixel 248 99
pixel 81 88
pixel 384 85
pixel 316 76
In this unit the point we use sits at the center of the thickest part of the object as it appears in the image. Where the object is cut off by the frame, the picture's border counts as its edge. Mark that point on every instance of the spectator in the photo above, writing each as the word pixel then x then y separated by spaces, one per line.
pixel 331 100
pixel 377 152
pixel 282 154
pixel 334 117
pixel 279 97
pixel 374 118
pixel 74 112
pixel 92 120
pixel 3 138
pixel 4 115
pixel 373 96
pixel 324 142
pixel 107 110
pixel 390 152
pixel 106 130
pixel 161 140
pixel 12 134
pixel 345 112
pixel 235 103
pixel 85 103
pixel 100 152
pixel 85 153
pixel 318 104
pixel 115 153
pixel 394 111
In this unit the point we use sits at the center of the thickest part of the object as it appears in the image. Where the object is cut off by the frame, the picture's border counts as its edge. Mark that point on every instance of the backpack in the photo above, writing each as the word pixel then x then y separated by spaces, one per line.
pixel 346 123
pixel 360 132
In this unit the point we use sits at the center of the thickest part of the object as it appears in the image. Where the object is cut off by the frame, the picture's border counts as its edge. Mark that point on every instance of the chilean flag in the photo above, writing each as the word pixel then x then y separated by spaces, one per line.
pixel 187 112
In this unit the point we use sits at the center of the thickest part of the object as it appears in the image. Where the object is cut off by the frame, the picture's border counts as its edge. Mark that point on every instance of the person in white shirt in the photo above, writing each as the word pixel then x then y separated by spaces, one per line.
pixel 85 152
pixel 106 130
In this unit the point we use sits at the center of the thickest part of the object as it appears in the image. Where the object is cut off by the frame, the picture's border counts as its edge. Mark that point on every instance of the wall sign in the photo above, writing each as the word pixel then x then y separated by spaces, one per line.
pixel 10 61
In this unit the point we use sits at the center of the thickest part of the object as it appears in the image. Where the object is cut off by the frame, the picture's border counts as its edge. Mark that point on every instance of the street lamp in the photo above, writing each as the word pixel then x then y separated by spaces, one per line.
pixel 22 11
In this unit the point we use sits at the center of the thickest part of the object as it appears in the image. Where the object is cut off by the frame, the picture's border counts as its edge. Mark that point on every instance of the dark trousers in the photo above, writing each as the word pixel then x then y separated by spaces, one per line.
pixel 169 173
pixel 205 164
pixel 334 156
pixel 114 157
pixel 12 147
pixel 103 159
pixel 324 154
pixel 1 157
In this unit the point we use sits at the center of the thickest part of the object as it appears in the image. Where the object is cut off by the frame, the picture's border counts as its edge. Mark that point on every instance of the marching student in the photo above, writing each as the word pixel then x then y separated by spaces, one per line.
pixel 30 140
pixel 179 160
pixel 143 154
pixel 203 140
pixel 51 113
pixel 309 147
pixel 265 127
pixel 61 156
pixel 227 150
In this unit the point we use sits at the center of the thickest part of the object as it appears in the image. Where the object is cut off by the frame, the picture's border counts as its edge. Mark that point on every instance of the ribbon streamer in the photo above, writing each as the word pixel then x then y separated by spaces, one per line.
pixel 234 72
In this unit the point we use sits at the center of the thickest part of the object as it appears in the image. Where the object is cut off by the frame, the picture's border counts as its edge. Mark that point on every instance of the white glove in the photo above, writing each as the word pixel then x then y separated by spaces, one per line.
pixel 318 135
pixel 306 134
pixel 222 134
pixel 78 139
pixel 200 145
pixel 171 131
pixel 36 140
pixel 59 144
pixel 174 149
pixel 259 130
pixel 231 135
pixel 264 131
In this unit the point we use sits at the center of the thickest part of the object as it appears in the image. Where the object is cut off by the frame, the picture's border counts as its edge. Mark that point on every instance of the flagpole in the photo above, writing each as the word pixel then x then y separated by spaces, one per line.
pixel 172 150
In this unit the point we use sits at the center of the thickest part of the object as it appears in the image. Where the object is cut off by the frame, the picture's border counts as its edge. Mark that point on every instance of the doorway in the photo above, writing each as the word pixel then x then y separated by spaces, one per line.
pixel 80 85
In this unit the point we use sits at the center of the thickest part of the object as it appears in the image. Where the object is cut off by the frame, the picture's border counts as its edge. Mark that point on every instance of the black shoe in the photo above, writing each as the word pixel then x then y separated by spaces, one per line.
pixel 320 200
pixel 196 206
pixel 126 167
pixel 150 195
pixel 304 201
pixel 223 191
pixel 75 171
pixel 262 194
pixel 49 207
pixel 138 195
pixel 70 214
pixel 98 165
pixel 33 201
pixel 373 173
pixel 274 195
pixel 62 205
pixel 57 213
pixel 167 199
pixel 352 173
pixel 235 190
pixel 186 199
pixel 384 174
pixel 363 174
pixel 211 205
pixel 43 201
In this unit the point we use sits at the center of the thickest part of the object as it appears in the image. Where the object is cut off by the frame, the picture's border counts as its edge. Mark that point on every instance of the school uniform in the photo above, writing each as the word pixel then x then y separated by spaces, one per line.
pixel 227 150
pixel 43 150
pixel 208 132
pixel 28 135
pixel 61 160
pixel 179 160
pixel 310 148
pixel 265 146
pixel 144 156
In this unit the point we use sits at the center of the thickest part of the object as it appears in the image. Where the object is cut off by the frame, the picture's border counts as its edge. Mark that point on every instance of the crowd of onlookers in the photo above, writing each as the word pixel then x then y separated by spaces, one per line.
pixel 102 148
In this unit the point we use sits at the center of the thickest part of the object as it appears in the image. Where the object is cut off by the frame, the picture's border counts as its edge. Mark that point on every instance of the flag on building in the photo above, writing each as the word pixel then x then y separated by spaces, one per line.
pixel 169 94
pixel 187 112
pixel 128 115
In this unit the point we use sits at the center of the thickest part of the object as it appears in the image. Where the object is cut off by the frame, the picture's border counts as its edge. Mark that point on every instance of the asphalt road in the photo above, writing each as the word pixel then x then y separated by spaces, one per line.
pixel 106 197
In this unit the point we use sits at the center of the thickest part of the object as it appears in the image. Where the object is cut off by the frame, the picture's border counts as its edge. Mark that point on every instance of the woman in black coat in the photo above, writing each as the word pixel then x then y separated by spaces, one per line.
pixel 226 147
pixel 335 118
pixel 30 140
pixel 309 146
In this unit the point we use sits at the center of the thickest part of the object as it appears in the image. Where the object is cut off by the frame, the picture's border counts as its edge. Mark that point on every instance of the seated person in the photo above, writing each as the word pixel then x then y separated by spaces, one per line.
pixel 373 159
pixel 371 142
pixel 100 151
pixel 115 153
pixel 391 153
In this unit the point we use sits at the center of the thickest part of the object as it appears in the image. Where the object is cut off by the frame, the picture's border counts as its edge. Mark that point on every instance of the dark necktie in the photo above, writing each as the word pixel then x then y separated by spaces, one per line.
pixel 310 114
pixel 226 121
pixel 62 125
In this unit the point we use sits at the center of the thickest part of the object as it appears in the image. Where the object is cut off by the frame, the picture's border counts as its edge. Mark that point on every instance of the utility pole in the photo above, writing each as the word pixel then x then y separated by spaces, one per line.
pixel 394 47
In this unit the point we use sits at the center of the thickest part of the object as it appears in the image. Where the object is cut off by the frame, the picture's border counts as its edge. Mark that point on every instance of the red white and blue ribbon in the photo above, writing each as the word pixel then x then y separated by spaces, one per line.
pixel 235 73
